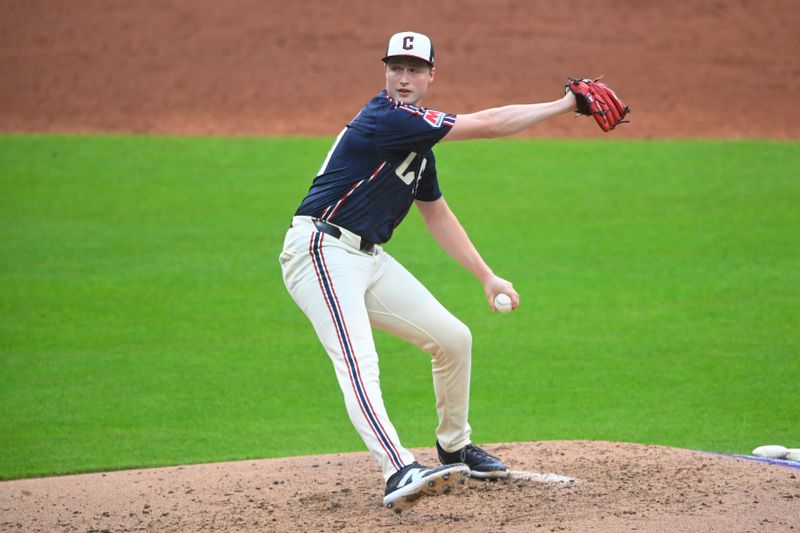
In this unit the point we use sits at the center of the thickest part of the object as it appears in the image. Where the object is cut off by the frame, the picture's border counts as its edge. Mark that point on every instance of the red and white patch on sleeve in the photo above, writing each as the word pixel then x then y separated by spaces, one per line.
pixel 434 118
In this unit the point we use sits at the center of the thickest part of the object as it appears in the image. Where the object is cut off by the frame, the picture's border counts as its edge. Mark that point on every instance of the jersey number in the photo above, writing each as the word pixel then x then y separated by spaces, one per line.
pixel 409 177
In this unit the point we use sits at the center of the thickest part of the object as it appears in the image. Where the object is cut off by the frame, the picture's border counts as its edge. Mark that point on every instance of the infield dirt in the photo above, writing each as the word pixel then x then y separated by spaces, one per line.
pixel 711 69
pixel 618 487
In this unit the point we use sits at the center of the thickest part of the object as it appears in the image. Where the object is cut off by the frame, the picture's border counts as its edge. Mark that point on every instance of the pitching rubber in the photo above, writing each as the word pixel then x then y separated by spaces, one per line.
pixel 439 483
pixel 491 476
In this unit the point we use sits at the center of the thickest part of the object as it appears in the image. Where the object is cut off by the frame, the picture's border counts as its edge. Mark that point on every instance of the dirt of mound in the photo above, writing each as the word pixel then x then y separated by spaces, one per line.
pixel 617 487
pixel 687 68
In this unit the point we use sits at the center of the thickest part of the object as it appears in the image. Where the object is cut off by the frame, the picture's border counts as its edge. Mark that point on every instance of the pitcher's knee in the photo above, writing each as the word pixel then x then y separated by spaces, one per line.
pixel 456 341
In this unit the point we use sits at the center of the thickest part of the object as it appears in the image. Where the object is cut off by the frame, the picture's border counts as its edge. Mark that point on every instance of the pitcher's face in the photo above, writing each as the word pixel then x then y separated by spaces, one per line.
pixel 408 78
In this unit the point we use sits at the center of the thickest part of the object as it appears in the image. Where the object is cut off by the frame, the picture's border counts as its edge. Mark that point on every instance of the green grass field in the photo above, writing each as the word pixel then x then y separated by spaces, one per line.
pixel 144 320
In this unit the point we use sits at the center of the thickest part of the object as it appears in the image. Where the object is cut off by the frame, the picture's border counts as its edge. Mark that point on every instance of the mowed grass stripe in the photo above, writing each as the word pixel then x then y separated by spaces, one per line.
pixel 144 321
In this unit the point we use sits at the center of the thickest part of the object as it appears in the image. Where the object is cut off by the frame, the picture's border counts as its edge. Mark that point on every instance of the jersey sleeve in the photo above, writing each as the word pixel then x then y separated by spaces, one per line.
pixel 428 188
pixel 407 128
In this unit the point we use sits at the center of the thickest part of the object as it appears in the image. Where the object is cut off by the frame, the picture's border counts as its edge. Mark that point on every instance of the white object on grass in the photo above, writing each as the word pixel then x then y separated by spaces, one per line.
pixel 771 451
pixel 793 454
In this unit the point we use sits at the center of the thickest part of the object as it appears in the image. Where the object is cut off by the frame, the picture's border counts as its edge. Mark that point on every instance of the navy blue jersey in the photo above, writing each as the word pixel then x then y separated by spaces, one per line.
pixel 379 164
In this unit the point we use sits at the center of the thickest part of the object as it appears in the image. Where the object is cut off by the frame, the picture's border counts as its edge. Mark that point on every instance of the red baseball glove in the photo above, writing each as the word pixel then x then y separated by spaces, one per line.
pixel 598 100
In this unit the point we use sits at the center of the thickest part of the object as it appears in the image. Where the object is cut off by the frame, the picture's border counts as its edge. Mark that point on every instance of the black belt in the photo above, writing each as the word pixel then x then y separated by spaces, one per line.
pixel 334 231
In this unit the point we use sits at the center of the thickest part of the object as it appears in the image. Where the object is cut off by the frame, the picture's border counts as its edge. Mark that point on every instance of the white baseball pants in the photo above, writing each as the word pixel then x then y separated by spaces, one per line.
pixel 345 293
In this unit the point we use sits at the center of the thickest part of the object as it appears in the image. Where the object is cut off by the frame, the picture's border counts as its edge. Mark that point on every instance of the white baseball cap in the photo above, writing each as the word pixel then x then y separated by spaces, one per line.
pixel 410 44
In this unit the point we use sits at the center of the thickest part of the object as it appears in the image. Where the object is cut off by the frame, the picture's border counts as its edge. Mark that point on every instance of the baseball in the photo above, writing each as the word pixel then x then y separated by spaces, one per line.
pixel 502 303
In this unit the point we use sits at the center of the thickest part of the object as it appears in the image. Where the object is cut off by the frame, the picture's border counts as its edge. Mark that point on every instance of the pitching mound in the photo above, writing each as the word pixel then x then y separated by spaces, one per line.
pixel 572 486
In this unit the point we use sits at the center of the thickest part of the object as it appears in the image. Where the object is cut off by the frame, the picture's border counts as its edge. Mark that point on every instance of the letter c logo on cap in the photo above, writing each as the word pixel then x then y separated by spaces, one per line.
pixel 408 42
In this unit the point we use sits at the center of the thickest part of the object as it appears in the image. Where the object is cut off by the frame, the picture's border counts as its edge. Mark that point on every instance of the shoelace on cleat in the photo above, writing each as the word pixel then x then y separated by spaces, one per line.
pixel 478 450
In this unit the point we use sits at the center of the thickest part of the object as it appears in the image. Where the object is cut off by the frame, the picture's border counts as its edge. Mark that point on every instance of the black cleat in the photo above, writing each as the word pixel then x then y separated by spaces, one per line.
pixel 408 485
pixel 482 464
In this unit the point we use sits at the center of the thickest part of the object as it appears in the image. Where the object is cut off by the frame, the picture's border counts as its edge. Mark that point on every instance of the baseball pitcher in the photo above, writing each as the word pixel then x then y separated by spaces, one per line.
pixel 337 272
